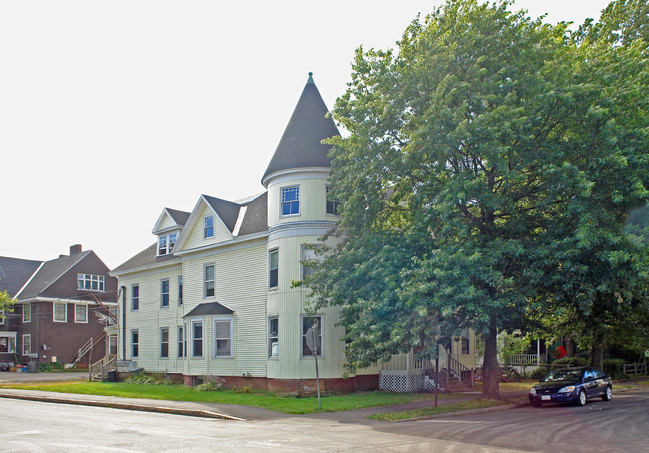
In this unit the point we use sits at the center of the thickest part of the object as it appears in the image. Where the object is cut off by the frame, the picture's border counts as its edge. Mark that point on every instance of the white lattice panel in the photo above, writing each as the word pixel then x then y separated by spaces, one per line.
pixel 401 381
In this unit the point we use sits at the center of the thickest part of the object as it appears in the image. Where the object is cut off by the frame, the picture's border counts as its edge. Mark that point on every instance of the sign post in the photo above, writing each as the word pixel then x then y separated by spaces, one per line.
pixel 315 347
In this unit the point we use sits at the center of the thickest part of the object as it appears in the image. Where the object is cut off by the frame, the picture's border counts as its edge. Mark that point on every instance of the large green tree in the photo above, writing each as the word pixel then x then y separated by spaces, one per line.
pixel 459 165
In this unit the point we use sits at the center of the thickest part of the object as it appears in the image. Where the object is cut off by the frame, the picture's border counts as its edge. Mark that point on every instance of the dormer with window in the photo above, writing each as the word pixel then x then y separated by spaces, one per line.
pixel 168 228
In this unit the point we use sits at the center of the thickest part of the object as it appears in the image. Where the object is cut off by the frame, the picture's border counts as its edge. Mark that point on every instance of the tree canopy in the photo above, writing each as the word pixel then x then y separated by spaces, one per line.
pixel 485 154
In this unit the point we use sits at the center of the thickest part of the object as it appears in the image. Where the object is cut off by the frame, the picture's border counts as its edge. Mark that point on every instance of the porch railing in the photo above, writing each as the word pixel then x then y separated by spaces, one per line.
pixel 524 359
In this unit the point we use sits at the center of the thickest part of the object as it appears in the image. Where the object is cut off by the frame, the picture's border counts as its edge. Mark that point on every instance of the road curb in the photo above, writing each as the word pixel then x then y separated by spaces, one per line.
pixel 125 406
pixel 484 410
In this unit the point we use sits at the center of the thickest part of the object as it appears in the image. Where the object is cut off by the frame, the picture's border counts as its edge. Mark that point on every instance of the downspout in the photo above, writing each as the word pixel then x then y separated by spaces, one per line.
pixel 123 322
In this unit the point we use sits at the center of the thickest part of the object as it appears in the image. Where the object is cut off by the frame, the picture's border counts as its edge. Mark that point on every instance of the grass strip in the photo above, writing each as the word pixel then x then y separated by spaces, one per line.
pixel 280 403
pixel 443 409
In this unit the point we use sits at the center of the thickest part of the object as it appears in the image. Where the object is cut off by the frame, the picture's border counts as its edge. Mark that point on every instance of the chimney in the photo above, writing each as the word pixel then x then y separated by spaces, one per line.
pixel 76 248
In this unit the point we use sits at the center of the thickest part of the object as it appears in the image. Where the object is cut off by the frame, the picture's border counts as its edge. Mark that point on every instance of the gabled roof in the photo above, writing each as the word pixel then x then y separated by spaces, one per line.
pixel 209 308
pixel 179 218
pixel 227 211
pixel 50 272
pixel 301 145
pixel 146 257
pixel 15 272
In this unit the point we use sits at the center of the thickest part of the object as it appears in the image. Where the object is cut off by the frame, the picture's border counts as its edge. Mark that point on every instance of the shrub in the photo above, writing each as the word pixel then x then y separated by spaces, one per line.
pixel 49 366
pixel 244 389
pixel 569 362
pixel 614 367
pixel 210 384
pixel 539 373
pixel 149 379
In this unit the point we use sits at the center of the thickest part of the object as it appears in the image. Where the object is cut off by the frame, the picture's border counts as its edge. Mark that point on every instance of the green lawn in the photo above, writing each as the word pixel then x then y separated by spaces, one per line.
pixel 446 408
pixel 286 404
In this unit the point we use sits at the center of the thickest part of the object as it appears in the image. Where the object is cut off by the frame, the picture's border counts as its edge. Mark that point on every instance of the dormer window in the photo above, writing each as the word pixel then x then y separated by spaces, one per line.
pixel 166 243
pixel 290 200
pixel 88 282
pixel 208 226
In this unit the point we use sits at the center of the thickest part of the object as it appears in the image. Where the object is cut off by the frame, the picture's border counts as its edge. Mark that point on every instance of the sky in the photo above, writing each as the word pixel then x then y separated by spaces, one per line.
pixel 111 111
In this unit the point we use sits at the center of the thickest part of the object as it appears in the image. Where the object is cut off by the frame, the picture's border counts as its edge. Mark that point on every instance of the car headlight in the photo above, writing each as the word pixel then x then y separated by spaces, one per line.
pixel 532 391
pixel 570 388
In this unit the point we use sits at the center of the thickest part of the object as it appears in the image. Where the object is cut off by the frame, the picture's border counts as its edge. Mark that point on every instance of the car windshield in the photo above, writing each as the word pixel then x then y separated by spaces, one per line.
pixel 563 375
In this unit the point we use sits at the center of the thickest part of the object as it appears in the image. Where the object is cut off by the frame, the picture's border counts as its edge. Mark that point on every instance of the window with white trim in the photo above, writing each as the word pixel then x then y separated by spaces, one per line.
pixel 135 343
pixel 27 344
pixel 273 268
pixel 197 338
pixel 60 312
pixel 311 335
pixel 208 227
pixel 7 342
pixel 135 297
pixel 164 342
pixel 273 337
pixel 2 317
pixel 309 257
pixel 208 283
pixel 332 204
pixel 290 200
pixel 181 342
pixel 166 243
pixel 80 313
pixel 27 312
pixel 223 328
pixel 164 292
pixel 90 282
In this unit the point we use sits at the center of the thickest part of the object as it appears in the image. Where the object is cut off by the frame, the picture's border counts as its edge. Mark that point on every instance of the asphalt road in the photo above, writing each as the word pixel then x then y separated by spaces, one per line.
pixel 617 426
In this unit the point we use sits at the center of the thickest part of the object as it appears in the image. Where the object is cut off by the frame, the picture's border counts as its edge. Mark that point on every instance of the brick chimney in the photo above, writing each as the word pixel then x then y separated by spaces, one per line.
pixel 76 248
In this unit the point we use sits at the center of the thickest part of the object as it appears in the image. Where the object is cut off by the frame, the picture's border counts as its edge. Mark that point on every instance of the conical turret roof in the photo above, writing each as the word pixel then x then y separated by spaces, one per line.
pixel 300 146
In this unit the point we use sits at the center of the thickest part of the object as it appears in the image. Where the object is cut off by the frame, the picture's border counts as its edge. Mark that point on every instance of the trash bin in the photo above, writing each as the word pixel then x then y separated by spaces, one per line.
pixel 113 376
pixel 32 367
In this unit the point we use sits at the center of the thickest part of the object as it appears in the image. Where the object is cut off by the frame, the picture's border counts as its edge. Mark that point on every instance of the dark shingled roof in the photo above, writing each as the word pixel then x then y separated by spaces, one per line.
pixel 209 308
pixel 256 218
pixel 227 211
pixel 300 146
pixel 50 272
pixel 14 273
pixel 180 217
pixel 144 258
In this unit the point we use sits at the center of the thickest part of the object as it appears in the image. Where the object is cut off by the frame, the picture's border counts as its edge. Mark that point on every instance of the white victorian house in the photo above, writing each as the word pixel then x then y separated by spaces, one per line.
pixel 213 295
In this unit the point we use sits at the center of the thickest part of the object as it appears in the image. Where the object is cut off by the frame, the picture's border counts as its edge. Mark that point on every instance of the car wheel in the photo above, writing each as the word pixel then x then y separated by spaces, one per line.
pixel 581 398
pixel 608 394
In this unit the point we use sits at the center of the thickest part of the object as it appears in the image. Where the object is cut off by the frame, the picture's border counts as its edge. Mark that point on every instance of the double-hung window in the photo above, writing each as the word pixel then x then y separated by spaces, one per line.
pixel 135 343
pixel 164 292
pixel 273 268
pixel 208 281
pixel 166 243
pixel 27 312
pixel 27 344
pixel 311 335
pixel 197 338
pixel 135 297
pixel 2 317
pixel 332 205
pixel 223 337
pixel 164 342
pixel 290 200
pixel 80 313
pixel 273 337
pixel 181 342
pixel 208 226
pixel 60 312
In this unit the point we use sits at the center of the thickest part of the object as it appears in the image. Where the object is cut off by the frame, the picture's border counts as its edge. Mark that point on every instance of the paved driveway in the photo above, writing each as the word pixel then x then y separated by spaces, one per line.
pixel 7 377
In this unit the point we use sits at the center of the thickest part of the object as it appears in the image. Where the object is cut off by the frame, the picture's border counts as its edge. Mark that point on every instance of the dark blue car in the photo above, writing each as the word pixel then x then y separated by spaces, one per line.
pixel 572 385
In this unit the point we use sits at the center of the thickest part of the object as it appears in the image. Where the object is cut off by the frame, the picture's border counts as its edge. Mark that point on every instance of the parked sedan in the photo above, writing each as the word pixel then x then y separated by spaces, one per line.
pixel 572 385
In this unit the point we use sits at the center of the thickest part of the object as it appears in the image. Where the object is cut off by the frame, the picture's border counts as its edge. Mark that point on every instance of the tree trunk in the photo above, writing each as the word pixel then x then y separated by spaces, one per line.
pixel 570 347
pixel 490 369
pixel 597 352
